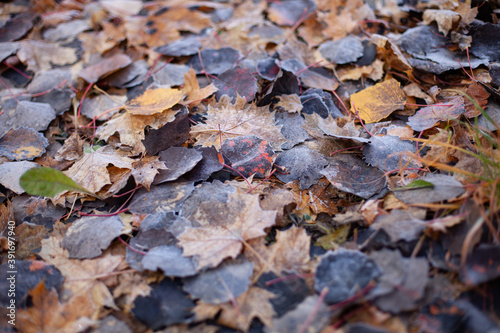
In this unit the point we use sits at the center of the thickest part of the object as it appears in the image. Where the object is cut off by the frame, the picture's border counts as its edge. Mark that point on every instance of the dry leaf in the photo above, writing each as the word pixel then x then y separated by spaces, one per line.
pixel 145 170
pixel 252 304
pixel 378 102
pixel 91 170
pixel 154 101
pixel 235 120
pixel 194 95
pixel 240 219
pixel 48 315
pixel 41 56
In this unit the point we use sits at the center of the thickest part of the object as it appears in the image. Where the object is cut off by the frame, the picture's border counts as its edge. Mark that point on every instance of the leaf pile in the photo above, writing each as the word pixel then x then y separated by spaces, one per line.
pixel 255 166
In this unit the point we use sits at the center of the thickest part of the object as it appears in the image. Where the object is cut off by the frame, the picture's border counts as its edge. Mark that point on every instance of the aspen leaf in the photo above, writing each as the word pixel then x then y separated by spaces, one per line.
pixel 377 102
pixel 154 101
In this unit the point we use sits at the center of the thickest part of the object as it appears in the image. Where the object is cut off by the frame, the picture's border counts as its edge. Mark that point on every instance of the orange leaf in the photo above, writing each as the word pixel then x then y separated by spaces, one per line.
pixel 154 101
pixel 377 102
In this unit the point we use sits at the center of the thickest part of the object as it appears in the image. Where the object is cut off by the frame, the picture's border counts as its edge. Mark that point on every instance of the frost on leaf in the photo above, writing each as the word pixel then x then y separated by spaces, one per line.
pixel 91 170
pixel 243 219
pixel 235 120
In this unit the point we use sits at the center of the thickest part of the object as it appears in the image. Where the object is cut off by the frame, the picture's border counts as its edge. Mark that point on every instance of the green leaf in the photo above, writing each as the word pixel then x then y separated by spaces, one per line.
pixel 419 183
pixel 48 182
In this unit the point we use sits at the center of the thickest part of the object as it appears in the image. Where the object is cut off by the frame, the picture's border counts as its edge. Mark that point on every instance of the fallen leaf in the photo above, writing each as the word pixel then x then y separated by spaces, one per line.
pixel 254 303
pixel 235 120
pixel 22 144
pixel 105 67
pixel 242 219
pixel 429 116
pixel 48 315
pixel 236 82
pixel 301 164
pixel 220 285
pixel 41 56
pixel 344 273
pixel 48 182
pixel 167 304
pixel 249 155
pixel 194 94
pixel 154 101
pixel 89 235
pixel 91 172
pixel 145 170
pixel 379 101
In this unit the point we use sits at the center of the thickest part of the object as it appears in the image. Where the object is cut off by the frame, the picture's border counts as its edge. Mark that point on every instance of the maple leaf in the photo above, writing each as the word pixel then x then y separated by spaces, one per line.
pixel 241 219
pixel 145 170
pixel 48 315
pixel 236 120
pixel 91 170
pixel 289 253
pixel 254 303
pixel 194 94
pixel 83 277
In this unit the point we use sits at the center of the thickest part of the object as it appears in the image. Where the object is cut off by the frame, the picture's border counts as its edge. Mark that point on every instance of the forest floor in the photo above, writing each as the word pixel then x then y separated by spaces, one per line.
pixel 251 166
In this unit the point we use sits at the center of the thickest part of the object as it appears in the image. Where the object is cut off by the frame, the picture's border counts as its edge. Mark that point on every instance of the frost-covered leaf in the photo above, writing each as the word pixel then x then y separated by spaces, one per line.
pixel 350 174
pixel 301 164
pixel 235 120
pixel 240 219
pixel 22 144
pixel 91 170
pixel 88 236
pixel 220 285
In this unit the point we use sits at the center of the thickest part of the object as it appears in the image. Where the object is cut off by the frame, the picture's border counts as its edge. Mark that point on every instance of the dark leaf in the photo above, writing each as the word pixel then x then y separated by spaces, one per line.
pixel 342 51
pixel 213 61
pixel 105 67
pixel 29 274
pixel 389 153
pixel 234 82
pixel 178 161
pixel 483 265
pixel 344 272
pixel 249 155
pixel 301 164
pixel 166 305
pixel 172 134
pixel 182 47
pixel 161 198
pixel 88 236
pixel 220 285
pixel 443 188
pixel 350 174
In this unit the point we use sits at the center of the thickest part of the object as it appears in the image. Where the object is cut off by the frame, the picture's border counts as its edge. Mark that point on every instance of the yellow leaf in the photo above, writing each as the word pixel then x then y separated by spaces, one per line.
pixel 377 102
pixel 154 101
pixel 192 89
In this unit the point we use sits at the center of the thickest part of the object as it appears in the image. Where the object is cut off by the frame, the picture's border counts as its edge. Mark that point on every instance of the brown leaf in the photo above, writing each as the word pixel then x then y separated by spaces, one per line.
pixel 194 94
pixel 252 304
pixel 477 92
pixel 41 56
pixel 91 170
pixel 377 102
pixel 237 120
pixel 83 277
pixel 289 253
pixel 145 170
pixel 48 315
pixel 240 219
pixel 154 101
pixel 105 67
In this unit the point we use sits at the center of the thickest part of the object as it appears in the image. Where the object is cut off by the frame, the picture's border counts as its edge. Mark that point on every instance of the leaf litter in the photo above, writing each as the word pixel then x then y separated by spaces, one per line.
pixel 286 166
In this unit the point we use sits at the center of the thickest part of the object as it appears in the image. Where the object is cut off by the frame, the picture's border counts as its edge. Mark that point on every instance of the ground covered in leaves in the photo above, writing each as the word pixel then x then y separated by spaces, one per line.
pixel 255 166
